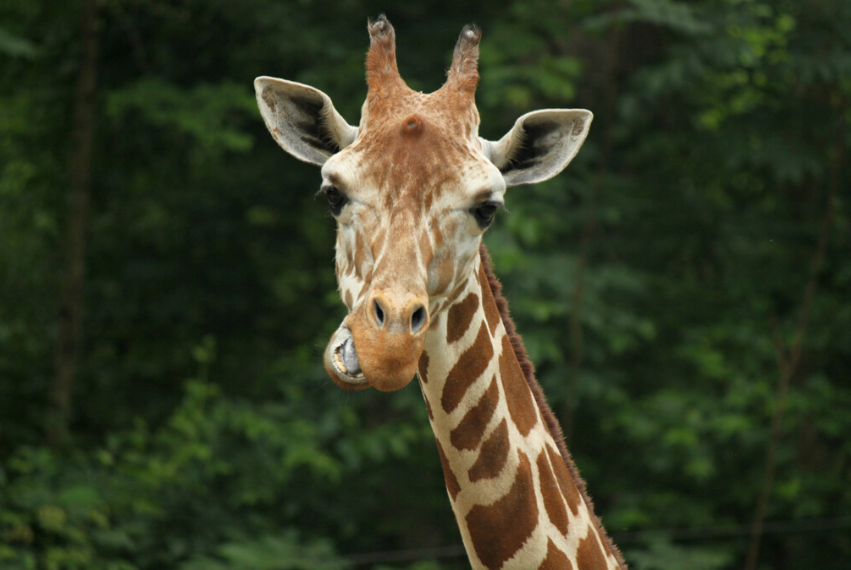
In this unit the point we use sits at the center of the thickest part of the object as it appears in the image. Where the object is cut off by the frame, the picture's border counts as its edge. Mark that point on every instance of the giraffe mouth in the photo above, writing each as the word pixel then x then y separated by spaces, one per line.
pixel 359 356
pixel 341 360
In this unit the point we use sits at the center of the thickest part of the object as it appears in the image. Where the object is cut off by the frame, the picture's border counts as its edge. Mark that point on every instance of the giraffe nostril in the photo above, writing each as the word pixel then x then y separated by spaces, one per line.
pixel 418 318
pixel 379 313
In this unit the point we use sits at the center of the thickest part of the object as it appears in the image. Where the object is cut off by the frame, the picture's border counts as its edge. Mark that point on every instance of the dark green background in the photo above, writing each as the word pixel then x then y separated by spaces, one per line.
pixel 699 240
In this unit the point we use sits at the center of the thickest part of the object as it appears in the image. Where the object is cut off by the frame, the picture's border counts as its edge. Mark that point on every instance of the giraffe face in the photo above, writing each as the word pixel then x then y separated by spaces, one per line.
pixel 412 188
pixel 412 197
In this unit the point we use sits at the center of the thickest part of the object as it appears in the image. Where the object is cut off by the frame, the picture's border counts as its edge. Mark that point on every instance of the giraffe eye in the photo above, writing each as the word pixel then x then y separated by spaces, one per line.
pixel 336 200
pixel 484 213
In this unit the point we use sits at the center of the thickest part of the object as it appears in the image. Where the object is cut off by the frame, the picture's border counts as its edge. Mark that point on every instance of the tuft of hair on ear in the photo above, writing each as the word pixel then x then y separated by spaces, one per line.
pixel 381 69
pixel 464 73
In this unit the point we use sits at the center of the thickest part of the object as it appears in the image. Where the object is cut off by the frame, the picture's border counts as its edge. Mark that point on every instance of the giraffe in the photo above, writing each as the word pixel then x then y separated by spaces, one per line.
pixel 413 188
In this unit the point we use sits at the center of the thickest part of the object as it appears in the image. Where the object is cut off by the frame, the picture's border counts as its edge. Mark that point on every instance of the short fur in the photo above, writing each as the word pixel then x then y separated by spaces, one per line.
pixel 549 417
pixel 382 72
pixel 464 73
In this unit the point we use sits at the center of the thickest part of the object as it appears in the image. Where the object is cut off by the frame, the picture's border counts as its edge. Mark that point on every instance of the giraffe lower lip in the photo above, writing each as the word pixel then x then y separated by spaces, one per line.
pixel 341 356
pixel 346 359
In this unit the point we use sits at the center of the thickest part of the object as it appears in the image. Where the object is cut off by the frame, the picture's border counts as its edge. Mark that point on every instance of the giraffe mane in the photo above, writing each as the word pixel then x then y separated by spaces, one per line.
pixel 550 420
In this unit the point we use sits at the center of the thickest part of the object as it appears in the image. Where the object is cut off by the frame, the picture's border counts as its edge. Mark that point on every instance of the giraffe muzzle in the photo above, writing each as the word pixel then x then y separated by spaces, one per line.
pixel 379 344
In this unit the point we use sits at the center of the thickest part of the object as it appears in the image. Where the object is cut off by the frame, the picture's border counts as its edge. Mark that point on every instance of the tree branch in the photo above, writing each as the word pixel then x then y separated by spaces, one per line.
pixel 577 341
pixel 788 360
pixel 73 284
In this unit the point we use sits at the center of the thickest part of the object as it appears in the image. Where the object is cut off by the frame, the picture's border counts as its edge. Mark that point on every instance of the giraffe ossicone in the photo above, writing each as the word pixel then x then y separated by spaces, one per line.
pixel 413 188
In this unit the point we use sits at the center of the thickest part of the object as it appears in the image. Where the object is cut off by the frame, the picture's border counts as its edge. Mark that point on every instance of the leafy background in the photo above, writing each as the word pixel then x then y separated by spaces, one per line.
pixel 683 288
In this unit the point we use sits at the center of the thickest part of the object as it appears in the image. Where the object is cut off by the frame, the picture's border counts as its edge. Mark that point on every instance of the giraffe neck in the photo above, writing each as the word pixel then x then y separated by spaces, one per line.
pixel 517 498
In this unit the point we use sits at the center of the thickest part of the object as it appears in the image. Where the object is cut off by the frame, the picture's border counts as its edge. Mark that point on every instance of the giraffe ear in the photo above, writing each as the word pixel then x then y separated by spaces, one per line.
pixel 302 119
pixel 539 145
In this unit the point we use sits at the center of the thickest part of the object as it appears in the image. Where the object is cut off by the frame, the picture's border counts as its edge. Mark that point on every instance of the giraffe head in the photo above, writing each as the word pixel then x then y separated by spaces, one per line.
pixel 412 189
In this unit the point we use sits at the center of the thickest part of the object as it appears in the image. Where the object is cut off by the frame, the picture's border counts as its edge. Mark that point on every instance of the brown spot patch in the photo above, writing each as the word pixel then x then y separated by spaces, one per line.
pixel 423 367
pixel 499 530
pixel 456 292
pixel 556 559
pixel 451 480
pixel 460 316
pixel 590 554
pixel 518 396
pixel 468 433
pixel 348 299
pixel 488 302
pixel 428 200
pixel 360 253
pixel 350 257
pixel 428 404
pixel 425 399
pixel 565 481
pixel 553 499
pixel 492 456
pixel 467 370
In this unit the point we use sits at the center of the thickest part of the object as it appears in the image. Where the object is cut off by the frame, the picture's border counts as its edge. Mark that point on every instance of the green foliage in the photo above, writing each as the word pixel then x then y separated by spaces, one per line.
pixel 204 115
pixel 653 282
pixel 13 45
pixel 663 554
pixel 270 553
